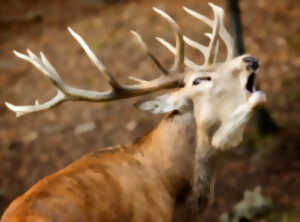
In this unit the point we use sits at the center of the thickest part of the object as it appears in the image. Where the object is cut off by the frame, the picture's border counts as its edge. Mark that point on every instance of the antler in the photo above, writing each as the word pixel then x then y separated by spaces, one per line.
pixel 119 91
pixel 210 51
pixel 179 52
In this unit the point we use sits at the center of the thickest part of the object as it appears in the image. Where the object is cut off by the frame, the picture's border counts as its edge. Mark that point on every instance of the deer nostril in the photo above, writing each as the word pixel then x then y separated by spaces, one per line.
pixel 252 63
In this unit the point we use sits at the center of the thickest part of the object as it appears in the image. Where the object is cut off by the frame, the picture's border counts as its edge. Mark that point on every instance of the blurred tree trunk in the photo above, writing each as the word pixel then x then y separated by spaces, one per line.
pixel 263 120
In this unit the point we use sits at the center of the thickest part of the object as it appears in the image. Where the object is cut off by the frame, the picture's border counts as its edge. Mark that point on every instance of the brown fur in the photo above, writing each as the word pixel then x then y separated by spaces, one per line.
pixel 146 181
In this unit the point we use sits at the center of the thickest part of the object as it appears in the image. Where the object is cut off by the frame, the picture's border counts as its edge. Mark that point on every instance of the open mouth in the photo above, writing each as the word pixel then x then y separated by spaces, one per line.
pixel 256 98
pixel 251 83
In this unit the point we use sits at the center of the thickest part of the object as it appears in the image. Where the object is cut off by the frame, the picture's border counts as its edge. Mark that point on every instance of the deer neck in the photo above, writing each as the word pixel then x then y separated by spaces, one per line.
pixel 170 150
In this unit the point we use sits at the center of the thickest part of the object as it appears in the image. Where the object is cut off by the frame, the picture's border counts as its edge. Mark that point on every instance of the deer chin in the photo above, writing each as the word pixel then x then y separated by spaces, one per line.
pixel 256 99
pixel 230 132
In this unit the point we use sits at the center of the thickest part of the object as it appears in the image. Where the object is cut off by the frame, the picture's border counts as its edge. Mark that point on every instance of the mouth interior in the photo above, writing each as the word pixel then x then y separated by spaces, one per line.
pixel 250 86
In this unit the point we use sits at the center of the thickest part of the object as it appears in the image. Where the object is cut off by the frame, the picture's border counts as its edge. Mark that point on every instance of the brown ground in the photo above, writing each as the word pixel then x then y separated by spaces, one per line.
pixel 34 146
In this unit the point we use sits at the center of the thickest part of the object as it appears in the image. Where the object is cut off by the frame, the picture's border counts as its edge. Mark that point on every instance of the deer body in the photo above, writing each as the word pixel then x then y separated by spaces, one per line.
pixel 137 182
pixel 166 175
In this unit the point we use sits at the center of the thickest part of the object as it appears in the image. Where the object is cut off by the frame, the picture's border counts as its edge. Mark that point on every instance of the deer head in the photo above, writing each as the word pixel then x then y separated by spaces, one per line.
pixel 222 95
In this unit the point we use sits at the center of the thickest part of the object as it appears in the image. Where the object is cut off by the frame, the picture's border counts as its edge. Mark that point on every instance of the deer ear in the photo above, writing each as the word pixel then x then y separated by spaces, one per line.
pixel 163 104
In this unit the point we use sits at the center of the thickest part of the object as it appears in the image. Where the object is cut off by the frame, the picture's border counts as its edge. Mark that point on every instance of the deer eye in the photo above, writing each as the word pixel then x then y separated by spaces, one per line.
pixel 200 79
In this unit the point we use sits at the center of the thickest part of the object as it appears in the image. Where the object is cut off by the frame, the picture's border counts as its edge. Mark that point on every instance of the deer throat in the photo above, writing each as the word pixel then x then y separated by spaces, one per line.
pixel 230 133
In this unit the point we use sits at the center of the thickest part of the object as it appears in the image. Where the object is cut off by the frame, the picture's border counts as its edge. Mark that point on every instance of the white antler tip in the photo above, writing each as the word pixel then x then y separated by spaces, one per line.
pixel 70 29
pixel 156 9
pixel 219 10
pixel 73 33
pixel 159 39
pixel 134 33
pixel 137 36
pixel 187 9
pixel 8 105
pixel 139 39
pixel 213 5
pixel 18 54
pixel 43 57
pixel 165 16
pixel 161 12
pixel 166 44
pixel 29 52
pixel 14 109
pixel 209 35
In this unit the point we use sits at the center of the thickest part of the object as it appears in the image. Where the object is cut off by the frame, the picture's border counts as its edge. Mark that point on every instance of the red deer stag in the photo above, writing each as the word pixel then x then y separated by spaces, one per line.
pixel 168 170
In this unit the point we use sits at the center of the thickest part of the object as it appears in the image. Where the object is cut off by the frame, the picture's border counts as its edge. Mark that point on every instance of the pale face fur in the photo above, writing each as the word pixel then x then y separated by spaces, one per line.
pixel 220 101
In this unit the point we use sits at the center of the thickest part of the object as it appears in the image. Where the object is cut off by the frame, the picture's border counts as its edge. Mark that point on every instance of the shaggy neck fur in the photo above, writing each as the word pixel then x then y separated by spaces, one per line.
pixel 179 151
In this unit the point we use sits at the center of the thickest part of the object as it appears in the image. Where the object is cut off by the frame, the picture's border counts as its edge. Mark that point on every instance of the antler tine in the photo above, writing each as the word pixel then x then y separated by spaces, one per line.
pixel 216 51
pixel 224 34
pixel 100 66
pixel 209 35
pixel 179 55
pixel 203 49
pixel 213 40
pixel 172 49
pixel 146 50
pixel 66 92
pixel 47 70
pixel 23 110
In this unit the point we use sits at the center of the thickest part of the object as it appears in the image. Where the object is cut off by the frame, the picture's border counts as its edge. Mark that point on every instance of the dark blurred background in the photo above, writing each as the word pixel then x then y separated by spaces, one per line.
pixel 34 146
